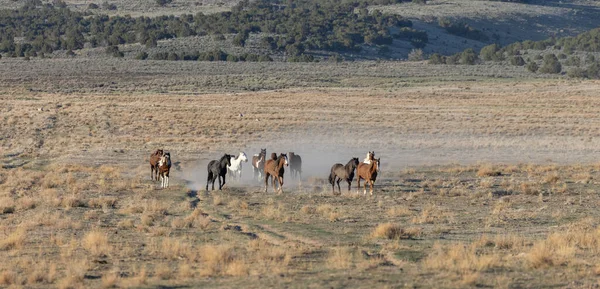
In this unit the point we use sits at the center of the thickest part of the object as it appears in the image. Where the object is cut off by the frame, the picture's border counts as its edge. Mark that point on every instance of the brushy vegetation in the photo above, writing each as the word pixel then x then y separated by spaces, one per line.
pixel 298 26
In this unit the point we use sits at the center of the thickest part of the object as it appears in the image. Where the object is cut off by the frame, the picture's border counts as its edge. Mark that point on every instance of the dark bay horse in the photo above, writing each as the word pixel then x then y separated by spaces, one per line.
pixel 295 165
pixel 274 169
pixel 258 164
pixel 369 173
pixel 340 172
pixel 154 159
pixel 218 169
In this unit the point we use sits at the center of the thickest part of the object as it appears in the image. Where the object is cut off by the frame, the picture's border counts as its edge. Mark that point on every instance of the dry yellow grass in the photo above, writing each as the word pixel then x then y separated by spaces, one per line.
pixel 96 243
pixel 14 240
pixel 216 259
pixel 340 258
pixel 488 171
pixel 394 231
pixel 460 258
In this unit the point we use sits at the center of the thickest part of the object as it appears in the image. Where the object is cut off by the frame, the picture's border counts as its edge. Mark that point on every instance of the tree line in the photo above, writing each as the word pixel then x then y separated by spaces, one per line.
pixel 295 26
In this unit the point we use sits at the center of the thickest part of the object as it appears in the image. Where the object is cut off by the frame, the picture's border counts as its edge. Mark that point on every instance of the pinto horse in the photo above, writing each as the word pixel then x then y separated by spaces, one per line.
pixel 258 163
pixel 274 169
pixel 154 159
pixel 340 172
pixel 164 167
pixel 235 169
pixel 370 157
pixel 295 165
pixel 369 173
pixel 218 169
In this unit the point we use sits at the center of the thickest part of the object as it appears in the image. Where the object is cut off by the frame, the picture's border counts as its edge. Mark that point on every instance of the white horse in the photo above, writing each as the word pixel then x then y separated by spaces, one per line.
pixel 370 156
pixel 236 165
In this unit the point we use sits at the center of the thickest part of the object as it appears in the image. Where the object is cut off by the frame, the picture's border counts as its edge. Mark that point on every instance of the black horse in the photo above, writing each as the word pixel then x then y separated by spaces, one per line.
pixel 218 169
pixel 295 165
pixel 340 172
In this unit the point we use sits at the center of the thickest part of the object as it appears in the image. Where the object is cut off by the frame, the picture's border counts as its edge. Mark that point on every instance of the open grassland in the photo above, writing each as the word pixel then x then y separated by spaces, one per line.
pixel 485 181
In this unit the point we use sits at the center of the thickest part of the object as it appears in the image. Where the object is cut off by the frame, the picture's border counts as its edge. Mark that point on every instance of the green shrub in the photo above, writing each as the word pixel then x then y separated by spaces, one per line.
pixel 532 66
pixel 573 61
pixel 468 57
pixel 142 56
pixel 517 61
pixel 551 64
pixel 576 73
pixel 437 58
pixel 488 53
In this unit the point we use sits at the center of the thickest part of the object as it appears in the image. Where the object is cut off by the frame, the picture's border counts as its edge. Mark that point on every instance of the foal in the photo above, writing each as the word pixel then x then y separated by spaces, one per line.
pixel 274 169
pixel 163 168
pixel 369 173
pixel 154 158
pixel 340 172
pixel 218 169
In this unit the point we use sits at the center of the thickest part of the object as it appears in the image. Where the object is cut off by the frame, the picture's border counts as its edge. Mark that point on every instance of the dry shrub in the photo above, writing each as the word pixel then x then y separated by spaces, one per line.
pixel 488 171
pixel 308 210
pixel 147 220
pixel 217 200
pixel 508 241
pixel 8 278
pixel 237 268
pixel 26 203
pixel 394 231
pixel 340 258
pixel 125 224
pixel 15 240
pixel 185 271
pixel 110 280
pixel 37 275
pixel 400 211
pixel 74 276
pixel 163 271
pixel 583 177
pixel 432 214
pixel 551 178
pixel 216 259
pixel 7 205
pixel 175 249
pixel 155 207
pixel 96 243
pixel 470 279
pixel 554 251
pixel 267 258
pixel 460 258
pixel 103 203
pixel 275 212
pixel 203 223
pixel 530 189
pixel 72 201
pixel 182 223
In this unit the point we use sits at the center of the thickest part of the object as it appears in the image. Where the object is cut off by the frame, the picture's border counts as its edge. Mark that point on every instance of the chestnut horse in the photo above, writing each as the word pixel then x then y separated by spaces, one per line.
pixel 295 165
pixel 154 159
pixel 340 172
pixel 163 168
pixel 258 163
pixel 369 173
pixel 274 169
pixel 218 169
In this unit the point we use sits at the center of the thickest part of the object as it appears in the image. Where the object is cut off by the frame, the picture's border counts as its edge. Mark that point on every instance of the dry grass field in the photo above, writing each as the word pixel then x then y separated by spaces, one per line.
pixel 489 178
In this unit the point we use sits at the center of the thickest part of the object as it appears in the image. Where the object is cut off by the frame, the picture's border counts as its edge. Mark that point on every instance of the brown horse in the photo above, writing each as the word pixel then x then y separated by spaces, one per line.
pixel 369 173
pixel 274 169
pixel 340 172
pixel 295 165
pixel 163 168
pixel 258 164
pixel 154 159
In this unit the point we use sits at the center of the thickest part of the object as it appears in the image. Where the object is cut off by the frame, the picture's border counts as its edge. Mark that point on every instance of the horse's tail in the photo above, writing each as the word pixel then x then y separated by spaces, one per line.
pixel 331 177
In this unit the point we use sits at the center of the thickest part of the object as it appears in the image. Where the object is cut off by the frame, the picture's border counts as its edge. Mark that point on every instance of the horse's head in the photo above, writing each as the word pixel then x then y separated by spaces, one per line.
pixel 243 157
pixel 164 159
pixel 158 152
pixel 263 152
pixel 285 159
pixel 227 159
pixel 377 164
pixel 355 161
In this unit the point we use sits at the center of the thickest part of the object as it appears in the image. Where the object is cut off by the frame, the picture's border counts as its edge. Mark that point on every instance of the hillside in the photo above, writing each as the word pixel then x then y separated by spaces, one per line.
pixel 439 26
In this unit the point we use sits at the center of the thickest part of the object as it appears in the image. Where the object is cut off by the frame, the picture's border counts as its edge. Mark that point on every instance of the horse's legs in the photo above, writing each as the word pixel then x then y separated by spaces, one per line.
pixel 151 173
pixel 221 186
pixel 357 185
pixel 349 185
pixel 281 184
pixel 338 183
pixel 371 183
pixel 273 182
pixel 365 187
pixel 266 181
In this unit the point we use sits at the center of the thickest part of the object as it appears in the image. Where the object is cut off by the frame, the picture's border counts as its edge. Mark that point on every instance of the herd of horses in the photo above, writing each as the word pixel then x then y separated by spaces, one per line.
pixel 272 168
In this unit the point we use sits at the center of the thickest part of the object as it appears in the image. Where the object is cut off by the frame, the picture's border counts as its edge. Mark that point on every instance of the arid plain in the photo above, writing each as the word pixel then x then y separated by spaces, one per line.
pixel 489 175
